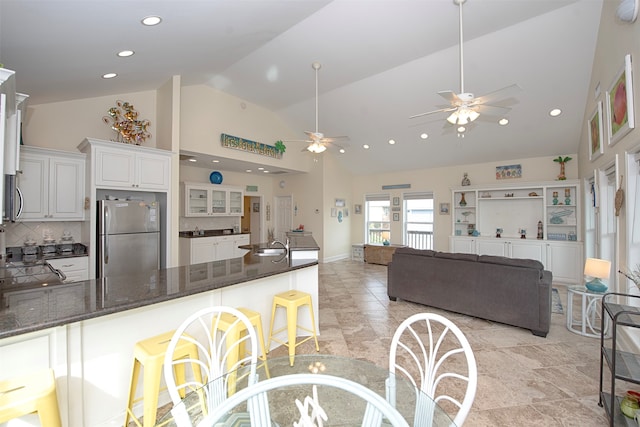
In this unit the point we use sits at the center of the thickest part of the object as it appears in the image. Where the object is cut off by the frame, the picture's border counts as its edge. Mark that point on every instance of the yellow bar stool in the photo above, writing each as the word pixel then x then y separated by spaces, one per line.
pixel 149 353
pixel 291 301
pixel 227 319
pixel 30 393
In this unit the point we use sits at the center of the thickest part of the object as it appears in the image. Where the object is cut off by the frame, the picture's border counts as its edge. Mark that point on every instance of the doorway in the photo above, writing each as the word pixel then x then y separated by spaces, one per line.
pixel 282 217
pixel 251 220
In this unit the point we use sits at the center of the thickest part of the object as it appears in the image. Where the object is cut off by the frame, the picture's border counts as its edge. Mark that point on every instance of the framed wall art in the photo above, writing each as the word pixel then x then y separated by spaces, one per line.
pixel 444 208
pixel 396 201
pixel 396 216
pixel 340 203
pixel 620 111
pixel 357 209
pixel 508 172
pixel 594 130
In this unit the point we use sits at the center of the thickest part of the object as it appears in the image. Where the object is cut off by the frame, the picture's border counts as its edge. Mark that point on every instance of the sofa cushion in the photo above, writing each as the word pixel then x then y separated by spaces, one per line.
pixel 412 251
pixel 456 255
pixel 513 262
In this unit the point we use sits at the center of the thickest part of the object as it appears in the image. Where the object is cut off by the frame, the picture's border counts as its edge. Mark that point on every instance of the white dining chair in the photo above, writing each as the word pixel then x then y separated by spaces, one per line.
pixel 215 373
pixel 435 356
pixel 376 409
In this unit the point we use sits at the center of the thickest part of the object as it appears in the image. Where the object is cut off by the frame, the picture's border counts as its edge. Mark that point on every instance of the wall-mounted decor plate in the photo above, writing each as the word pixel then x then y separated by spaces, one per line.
pixel 215 177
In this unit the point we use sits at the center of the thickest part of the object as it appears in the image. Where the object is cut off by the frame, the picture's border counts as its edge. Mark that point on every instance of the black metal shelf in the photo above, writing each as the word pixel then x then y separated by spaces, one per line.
pixel 623 365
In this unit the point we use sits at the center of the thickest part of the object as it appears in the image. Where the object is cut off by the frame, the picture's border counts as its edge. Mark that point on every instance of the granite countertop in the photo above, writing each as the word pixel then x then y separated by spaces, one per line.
pixel 296 243
pixel 67 303
pixel 209 233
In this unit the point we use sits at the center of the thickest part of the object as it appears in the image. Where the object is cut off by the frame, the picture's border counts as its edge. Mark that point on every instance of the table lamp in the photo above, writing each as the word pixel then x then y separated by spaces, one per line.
pixel 597 269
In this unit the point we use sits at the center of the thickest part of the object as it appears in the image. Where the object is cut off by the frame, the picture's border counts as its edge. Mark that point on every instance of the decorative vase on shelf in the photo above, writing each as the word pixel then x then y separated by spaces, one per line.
pixel 555 197
pixel 463 202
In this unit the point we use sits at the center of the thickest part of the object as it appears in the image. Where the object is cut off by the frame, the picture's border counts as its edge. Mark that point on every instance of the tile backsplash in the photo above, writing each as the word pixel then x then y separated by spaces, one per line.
pixel 17 232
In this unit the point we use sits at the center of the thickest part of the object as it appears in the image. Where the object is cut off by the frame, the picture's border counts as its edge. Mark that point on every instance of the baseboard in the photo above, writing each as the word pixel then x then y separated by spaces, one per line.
pixel 337 258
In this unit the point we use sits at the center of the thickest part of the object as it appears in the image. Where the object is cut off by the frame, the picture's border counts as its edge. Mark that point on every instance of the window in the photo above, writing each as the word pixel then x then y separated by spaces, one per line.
pixel 418 220
pixel 378 217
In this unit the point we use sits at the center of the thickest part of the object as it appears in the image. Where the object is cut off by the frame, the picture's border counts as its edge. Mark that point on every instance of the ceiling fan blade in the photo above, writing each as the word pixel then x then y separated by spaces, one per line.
pixel 330 139
pixel 503 93
pixel 442 110
pixel 450 96
pixel 491 110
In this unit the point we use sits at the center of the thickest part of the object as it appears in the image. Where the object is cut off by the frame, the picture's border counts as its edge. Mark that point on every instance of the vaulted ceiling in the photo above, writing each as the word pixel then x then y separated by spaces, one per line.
pixel 382 61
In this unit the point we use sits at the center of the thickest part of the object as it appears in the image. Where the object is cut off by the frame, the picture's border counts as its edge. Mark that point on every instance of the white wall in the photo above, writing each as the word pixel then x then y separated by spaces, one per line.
pixel 206 113
pixel 63 125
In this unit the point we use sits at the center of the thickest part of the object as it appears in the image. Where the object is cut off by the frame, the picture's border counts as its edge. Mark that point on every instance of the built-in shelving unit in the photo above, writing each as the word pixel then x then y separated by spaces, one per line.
pixel 538 220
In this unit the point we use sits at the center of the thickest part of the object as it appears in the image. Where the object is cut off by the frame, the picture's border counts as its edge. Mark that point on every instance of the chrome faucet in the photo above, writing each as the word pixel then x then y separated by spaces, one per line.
pixel 284 245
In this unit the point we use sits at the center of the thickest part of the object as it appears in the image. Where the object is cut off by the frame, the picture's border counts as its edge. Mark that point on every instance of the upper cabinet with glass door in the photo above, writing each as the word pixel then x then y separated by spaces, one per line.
pixel 212 200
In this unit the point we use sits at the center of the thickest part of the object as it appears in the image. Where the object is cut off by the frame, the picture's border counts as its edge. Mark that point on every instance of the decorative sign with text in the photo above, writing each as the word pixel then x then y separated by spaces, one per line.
pixel 242 144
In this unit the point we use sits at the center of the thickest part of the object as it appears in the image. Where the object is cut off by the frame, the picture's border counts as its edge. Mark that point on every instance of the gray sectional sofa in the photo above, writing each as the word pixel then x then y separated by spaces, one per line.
pixel 506 290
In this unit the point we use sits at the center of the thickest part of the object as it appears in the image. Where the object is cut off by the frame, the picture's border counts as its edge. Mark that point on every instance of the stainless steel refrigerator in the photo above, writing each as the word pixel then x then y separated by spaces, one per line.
pixel 128 237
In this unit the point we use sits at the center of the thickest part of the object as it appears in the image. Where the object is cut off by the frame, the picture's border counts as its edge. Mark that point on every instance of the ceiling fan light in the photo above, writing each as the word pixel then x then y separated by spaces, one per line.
pixel 316 148
pixel 473 115
pixel 453 118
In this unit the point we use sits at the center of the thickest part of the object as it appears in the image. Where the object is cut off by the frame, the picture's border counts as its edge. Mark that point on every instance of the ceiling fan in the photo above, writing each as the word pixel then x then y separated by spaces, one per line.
pixel 317 141
pixel 464 106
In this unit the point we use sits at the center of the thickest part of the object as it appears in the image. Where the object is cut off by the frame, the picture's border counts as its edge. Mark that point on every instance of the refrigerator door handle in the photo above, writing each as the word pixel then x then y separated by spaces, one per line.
pixel 21 199
pixel 106 249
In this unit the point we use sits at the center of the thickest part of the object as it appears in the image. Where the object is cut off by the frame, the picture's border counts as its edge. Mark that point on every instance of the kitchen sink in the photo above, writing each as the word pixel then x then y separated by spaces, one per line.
pixel 270 251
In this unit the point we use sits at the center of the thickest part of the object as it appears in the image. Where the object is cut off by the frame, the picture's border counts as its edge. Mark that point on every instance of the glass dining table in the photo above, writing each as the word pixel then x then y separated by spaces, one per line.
pixel 339 407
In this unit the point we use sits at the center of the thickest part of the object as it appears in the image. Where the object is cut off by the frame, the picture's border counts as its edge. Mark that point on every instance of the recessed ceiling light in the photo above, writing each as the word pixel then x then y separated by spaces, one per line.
pixel 215 161
pixel 365 146
pixel 193 160
pixel 260 169
pixel 109 75
pixel 555 112
pixel 503 122
pixel 424 136
pixel 125 53
pixel 265 171
pixel 342 150
pixel 392 141
pixel 248 170
pixel 150 21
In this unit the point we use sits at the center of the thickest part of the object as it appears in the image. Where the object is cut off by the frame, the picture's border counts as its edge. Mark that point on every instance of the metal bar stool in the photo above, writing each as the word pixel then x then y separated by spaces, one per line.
pixel 149 353
pixel 291 301
pixel 227 319
pixel 28 394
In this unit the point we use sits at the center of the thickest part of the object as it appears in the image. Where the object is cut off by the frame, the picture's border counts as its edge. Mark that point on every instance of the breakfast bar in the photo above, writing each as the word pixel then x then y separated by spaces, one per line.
pixel 85 331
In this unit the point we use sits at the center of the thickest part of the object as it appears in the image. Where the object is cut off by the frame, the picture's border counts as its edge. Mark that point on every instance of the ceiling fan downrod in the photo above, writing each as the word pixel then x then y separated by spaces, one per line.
pixel 461 51
pixel 316 66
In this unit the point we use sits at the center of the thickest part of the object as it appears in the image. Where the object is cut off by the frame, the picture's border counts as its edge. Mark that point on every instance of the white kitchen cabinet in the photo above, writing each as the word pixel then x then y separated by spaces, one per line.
pixel 52 185
pixel 75 268
pixel 202 200
pixel 215 248
pixel 124 166
pixel 240 240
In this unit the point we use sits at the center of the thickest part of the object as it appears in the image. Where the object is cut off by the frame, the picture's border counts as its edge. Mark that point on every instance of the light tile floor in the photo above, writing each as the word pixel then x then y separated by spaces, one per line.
pixel 523 380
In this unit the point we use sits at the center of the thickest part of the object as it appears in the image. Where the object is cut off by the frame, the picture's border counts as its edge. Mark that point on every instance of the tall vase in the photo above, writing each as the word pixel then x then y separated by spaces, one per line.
pixel 463 202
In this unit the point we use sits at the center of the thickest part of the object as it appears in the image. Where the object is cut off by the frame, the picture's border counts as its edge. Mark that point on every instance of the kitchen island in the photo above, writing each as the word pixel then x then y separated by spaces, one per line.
pixel 86 331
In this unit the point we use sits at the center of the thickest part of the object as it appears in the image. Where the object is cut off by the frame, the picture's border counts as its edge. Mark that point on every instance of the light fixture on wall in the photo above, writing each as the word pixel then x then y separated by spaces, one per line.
pixel 627 10
pixel 597 269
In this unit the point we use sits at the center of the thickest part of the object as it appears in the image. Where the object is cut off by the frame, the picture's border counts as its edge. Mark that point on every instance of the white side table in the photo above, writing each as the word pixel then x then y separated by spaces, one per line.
pixel 588 321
